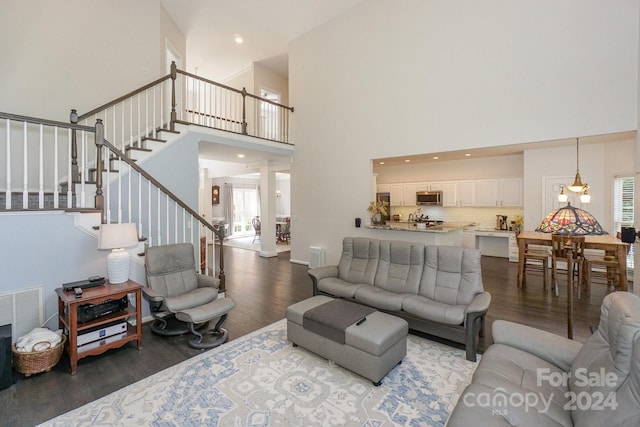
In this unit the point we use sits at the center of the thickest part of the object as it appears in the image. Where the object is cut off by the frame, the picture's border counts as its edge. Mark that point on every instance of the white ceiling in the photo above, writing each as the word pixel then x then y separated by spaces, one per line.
pixel 267 28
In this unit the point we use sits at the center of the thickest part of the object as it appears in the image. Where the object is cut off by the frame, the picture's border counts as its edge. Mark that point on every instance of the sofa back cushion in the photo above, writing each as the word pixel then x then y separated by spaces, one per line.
pixel 451 275
pixel 400 266
pixel 607 368
pixel 359 260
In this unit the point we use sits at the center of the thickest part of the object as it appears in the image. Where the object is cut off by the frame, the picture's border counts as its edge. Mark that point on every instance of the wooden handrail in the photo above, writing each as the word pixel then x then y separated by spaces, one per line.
pixel 155 182
pixel 46 122
pixel 123 97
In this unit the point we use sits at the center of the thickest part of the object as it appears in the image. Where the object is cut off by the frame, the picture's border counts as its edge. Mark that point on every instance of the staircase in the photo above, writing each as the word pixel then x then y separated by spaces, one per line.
pixel 102 153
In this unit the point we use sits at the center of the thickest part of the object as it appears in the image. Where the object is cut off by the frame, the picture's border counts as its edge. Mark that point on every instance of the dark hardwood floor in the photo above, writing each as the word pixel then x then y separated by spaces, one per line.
pixel 262 289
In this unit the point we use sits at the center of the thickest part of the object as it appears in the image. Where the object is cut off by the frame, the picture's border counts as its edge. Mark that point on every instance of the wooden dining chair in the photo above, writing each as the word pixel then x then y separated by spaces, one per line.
pixel 607 269
pixel 561 244
pixel 257 228
pixel 536 258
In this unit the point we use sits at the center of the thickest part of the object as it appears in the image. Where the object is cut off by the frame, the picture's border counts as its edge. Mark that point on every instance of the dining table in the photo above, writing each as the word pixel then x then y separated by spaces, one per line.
pixel 607 243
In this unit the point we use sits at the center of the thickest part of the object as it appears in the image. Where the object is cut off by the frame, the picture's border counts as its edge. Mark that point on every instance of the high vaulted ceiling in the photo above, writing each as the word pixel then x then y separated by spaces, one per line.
pixel 266 27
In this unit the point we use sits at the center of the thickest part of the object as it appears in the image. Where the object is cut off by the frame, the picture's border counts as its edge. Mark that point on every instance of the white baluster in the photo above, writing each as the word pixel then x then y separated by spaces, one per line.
pixel 41 169
pixel 25 173
pixel 69 177
pixel 8 191
pixel 56 177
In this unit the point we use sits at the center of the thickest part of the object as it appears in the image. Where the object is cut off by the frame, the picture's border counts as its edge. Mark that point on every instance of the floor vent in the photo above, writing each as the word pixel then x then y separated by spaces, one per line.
pixel 22 309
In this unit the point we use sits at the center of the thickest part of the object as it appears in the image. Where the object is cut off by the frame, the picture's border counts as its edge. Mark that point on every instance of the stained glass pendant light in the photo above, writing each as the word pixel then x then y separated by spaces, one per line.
pixel 570 220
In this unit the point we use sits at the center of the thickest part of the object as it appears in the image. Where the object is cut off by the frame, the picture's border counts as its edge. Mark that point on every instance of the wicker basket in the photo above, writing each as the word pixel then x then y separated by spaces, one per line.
pixel 34 362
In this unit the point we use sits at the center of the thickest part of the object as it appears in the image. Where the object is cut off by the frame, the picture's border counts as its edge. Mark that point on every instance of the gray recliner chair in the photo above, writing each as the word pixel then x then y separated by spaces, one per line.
pixel 182 300
pixel 530 377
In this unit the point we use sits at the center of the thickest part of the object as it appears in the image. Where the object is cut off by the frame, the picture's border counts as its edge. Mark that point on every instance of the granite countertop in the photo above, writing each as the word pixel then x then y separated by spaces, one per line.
pixel 445 227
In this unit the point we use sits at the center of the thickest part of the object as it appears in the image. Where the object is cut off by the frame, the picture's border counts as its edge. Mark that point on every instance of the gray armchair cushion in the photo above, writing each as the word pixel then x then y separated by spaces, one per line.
pixel 379 298
pixel 172 278
pixel 400 266
pixel 359 260
pixel 552 348
pixel 191 299
pixel 451 275
pixel 171 269
pixel 338 287
pixel 434 310
pixel 613 352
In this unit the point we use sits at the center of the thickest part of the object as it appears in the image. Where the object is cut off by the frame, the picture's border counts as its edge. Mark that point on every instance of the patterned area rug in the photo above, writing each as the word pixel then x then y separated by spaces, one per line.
pixel 262 380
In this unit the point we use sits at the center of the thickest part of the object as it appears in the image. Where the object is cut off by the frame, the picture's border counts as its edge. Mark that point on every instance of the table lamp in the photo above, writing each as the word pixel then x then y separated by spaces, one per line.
pixel 118 237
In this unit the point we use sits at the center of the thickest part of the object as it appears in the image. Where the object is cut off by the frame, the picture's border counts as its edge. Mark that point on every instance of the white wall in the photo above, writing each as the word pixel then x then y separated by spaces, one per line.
pixel 389 79
pixel 78 54
pixel 600 163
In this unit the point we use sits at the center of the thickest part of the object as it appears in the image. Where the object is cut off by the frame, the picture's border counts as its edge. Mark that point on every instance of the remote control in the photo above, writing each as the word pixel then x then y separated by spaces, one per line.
pixel 78 292
pixel 361 321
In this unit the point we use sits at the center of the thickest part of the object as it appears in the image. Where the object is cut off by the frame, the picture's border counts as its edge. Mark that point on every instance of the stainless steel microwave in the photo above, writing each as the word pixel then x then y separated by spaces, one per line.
pixel 429 198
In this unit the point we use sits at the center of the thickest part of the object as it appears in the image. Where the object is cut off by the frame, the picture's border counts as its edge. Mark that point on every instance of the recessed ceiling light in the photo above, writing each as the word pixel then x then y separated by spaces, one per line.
pixel 382 163
pixel 407 160
pixel 241 156
pixel 435 157
pixel 238 39
pixel 467 155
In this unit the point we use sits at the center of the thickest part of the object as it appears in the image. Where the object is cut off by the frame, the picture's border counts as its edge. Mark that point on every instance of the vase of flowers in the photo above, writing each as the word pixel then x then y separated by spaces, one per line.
pixel 377 210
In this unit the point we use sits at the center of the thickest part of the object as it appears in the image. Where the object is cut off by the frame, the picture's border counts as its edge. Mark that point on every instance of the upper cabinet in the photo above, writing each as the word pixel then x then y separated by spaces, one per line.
pixel 487 192
pixel 466 193
pixel 384 188
pixel 502 192
pixel 409 194
pixel 511 192
pixel 449 193
pixel 397 194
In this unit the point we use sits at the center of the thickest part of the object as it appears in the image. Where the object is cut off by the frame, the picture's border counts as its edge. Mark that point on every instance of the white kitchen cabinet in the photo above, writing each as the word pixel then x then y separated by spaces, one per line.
pixel 449 193
pixel 469 237
pixel 397 194
pixel 467 193
pixel 422 186
pixel 384 188
pixel 435 186
pixel 499 192
pixel 487 192
pixel 511 192
pixel 409 194
pixel 513 248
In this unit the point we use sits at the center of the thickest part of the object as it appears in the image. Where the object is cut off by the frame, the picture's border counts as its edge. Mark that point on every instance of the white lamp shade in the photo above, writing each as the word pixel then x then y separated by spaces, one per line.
pixel 117 236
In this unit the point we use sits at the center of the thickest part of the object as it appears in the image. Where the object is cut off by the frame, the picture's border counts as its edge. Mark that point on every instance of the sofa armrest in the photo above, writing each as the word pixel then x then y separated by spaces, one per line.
pixel 319 273
pixel 208 281
pixel 553 348
pixel 479 303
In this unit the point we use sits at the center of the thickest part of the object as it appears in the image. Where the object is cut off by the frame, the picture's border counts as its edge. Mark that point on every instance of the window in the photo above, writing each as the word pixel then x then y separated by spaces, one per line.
pixel 623 189
pixel 245 207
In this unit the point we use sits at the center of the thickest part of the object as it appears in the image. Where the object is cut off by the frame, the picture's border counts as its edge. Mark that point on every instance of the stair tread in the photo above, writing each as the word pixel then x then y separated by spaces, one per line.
pixel 138 149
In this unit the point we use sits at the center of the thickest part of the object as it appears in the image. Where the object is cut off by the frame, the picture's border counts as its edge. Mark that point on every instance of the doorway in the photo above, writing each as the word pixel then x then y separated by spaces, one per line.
pixel 245 208
pixel 269 115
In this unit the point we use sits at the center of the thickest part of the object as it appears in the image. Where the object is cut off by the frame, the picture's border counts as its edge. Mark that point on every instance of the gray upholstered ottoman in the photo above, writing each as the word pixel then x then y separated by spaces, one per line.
pixel 371 348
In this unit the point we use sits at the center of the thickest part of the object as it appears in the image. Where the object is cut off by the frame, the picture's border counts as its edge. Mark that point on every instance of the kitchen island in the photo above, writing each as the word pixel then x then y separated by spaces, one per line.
pixel 446 233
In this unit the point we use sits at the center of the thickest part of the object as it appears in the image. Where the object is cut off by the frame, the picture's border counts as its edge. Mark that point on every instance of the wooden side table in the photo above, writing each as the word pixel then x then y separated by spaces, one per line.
pixel 68 319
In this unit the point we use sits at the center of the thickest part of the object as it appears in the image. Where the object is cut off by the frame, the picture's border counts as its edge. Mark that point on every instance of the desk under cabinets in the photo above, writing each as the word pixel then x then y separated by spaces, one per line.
pixel 497 243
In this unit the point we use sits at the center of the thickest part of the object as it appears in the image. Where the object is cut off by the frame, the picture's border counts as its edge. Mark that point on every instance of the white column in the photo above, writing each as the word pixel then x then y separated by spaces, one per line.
pixel 267 211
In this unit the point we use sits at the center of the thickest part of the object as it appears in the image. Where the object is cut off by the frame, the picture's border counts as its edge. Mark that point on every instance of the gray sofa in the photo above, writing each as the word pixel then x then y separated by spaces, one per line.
pixel 530 377
pixel 436 289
